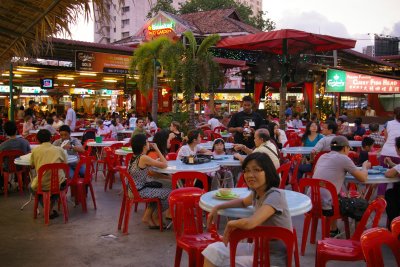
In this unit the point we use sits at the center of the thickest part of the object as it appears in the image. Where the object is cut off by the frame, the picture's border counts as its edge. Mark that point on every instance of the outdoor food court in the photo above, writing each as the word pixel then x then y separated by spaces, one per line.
pixel 102 164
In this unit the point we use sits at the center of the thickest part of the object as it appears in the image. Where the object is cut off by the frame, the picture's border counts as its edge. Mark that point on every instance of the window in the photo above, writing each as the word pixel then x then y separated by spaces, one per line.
pixel 124 22
pixel 125 34
pixel 115 29
pixel 125 9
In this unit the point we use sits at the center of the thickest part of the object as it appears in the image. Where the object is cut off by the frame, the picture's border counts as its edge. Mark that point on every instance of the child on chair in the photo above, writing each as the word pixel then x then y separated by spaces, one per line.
pixel 223 177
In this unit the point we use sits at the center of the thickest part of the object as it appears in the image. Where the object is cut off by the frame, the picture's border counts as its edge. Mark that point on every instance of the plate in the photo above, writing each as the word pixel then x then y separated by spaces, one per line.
pixel 228 197
pixel 372 171
pixel 126 148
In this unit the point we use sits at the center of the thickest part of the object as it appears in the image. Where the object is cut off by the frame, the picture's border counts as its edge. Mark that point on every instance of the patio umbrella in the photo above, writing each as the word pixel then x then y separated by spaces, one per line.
pixel 284 42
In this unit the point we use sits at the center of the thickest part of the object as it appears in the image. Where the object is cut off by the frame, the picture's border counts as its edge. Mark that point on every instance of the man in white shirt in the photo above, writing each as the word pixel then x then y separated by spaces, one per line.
pixel 57 123
pixel 370 112
pixel 296 122
pixel 70 119
pixel 132 122
pixel 213 122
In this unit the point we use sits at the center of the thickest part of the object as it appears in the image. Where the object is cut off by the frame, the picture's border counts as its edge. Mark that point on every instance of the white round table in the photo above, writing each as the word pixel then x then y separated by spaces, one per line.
pixel 125 131
pixel 303 150
pixel 209 145
pixel 33 146
pixel 104 143
pixel 33 131
pixel 373 179
pixel 76 134
pixel 175 166
pixel 25 161
pixel 355 143
pixel 123 152
pixel 227 160
pixel 298 203
pixel 225 135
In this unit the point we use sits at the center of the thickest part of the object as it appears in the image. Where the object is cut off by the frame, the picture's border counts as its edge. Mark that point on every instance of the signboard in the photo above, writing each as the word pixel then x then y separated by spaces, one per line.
pixel 161 25
pixel 4 88
pixel 101 62
pixel 81 91
pixel 111 92
pixel 350 82
pixel 33 90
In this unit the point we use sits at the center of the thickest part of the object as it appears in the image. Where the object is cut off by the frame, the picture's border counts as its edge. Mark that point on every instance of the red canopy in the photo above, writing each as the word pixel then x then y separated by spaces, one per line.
pixel 297 41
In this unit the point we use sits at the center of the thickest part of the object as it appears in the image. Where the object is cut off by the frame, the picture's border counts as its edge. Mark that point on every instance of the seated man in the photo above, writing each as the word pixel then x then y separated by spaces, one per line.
pixel 374 128
pixel 72 146
pixel 333 167
pixel 263 144
pixel 49 126
pixel 46 153
pixel 366 146
pixel 392 194
pixel 139 128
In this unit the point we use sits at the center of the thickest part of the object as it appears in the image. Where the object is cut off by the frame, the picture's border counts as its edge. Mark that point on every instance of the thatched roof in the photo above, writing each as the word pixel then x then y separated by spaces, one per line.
pixel 26 24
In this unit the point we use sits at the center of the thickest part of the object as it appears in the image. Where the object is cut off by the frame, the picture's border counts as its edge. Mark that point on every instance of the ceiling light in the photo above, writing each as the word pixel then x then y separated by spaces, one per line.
pixel 109 81
pixel 64 78
pixel 15 75
pixel 87 74
pixel 27 70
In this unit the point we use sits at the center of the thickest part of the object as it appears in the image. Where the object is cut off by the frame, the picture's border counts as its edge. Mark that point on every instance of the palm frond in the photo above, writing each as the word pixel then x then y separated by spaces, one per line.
pixel 192 43
pixel 208 42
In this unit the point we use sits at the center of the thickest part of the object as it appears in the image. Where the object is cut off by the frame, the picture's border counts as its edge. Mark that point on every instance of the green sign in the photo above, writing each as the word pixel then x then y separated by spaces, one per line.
pixel 335 80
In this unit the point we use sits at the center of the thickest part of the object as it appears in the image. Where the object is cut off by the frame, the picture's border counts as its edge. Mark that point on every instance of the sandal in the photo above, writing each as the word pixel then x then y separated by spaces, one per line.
pixel 53 215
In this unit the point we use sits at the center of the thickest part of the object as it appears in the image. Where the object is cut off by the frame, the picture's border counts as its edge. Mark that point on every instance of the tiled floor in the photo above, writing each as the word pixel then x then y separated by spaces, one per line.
pixel 83 241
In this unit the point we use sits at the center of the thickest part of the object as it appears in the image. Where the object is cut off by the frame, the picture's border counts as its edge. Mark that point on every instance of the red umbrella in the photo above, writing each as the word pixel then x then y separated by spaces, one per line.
pixel 284 42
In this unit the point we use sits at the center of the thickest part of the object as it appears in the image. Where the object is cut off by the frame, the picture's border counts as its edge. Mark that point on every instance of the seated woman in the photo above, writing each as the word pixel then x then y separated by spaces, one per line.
pixel 174 134
pixel 28 125
pixel 271 209
pixel 192 148
pixel 138 169
pixel 160 139
pixel 312 135
pixel 277 135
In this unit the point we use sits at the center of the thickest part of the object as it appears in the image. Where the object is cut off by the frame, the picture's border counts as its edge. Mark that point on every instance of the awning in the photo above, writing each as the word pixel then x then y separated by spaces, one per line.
pixel 231 63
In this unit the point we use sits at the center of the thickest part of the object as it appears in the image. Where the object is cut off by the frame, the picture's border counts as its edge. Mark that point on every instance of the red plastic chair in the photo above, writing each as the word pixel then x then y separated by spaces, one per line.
pixel 187 217
pixel 372 241
pixel 171 156
pixel 349 249
pixel 315 213
pixel 127 201
pixel 207 135
pixel 373 158
pixel 316 158
pixel 189 179
pixel 283 171
pixel 295 163
pixel 32 138
pixel 52 169
pixel 78 184
pixel 112 162
pixel 241 182
pixel 358 138
pixel 11 155
pixel 293 140
pixel 261 235
pixel 175 145
pixel 395 226
pixel 219 129
pixel 55 137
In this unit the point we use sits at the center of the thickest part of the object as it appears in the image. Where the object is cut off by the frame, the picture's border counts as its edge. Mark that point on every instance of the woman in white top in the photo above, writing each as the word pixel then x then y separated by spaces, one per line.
pixel 115 127
pixel 192 147
pixel 151 126
pixel 391 131
pixel 28 125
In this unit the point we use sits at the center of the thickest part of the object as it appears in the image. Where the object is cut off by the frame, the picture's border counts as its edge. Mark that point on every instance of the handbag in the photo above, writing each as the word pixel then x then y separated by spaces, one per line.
pixel 352 207
pixel 153 184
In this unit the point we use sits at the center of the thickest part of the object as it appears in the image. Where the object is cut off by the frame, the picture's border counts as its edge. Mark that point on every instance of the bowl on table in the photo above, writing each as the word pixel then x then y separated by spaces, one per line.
pixel 225 191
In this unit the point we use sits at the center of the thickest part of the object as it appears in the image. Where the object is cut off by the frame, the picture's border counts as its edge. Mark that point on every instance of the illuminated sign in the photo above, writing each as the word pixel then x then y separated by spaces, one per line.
pixel 4 89
pixel 111 92
pixel 81 91
pixel 161 28
pixel 350 82
pixel 33 90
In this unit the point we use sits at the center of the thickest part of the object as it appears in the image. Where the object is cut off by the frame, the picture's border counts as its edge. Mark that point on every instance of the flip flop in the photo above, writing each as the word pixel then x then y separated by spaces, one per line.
pixel 53 215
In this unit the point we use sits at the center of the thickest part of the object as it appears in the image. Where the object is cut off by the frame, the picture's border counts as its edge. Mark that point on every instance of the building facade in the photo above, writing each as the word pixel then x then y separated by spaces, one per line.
pixel 127 19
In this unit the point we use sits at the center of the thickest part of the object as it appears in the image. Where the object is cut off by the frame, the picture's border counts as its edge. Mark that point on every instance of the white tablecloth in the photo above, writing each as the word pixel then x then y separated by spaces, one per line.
pixel 76 134
pixel 125 131
pixel 25 161
pixel 373 179
pixel 177 166
pixel 303 150
pixel 355 143
pixel 227 160
pixel 105 143
pixel 298 203
pixel 209 145
pixel 123 152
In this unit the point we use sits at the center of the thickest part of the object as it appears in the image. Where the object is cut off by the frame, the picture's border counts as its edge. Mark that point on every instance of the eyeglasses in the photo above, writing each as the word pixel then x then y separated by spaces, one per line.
pixel 253 171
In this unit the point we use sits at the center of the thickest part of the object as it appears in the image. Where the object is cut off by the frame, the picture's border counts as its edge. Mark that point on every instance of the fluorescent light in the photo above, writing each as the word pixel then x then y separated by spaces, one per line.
pixel 87 74
pixel 109 81
pixel 65 78
pixel 27 70
pixel 15 75
pixel 66 96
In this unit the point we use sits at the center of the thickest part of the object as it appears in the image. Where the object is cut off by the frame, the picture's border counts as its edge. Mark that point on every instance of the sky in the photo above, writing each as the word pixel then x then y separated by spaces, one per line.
pixel 356 19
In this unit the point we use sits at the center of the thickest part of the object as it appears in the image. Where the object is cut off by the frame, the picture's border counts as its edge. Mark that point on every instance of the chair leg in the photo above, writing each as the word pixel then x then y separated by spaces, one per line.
pixel 296 249
pixel 314 226
pixel 93 196
pixel 306 226
pixel 20 182
pixel 35 206
pixel 160 221
pixel 121 213
pixel 136 206
pixel 128 206
pixel 320 259
pixel 82 196
pixel 192 258
pixel 6 177
pixel 63 197
pixel 178 256
pixel 46 207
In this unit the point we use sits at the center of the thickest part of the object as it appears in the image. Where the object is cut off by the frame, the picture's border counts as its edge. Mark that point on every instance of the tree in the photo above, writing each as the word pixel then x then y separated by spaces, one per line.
pixel 191 66
pixel 164 5
pixel 146 62
pixel 244 11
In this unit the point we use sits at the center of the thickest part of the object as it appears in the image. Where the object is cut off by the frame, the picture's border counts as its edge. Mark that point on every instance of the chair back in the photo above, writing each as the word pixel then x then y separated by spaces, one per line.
pixel 395 226
pixel 116 146
pixel 89 169
pixel 128 158
pixel 377 206
pixel 353 156
pixel 241 182
pixel 55 137
pixel 294 139
pixel 315 185
pixel 127 180
pixel 175 145
pixel 358 138
pixel 11 155
pixel 373 158
pixel 171 156
pixel 371 244
pixel 261 236
pixel 186 213
pixel 208 135
pixel 88 134
pixel 189 178
pixel 295 163
pixel 111 158
pixel 219 129
pixel 32 138
pixel 283 171
pixel 52 169
pixel 316 158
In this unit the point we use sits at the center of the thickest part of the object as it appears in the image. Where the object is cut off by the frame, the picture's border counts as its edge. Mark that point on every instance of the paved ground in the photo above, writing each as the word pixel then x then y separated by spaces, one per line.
pixel 80 242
